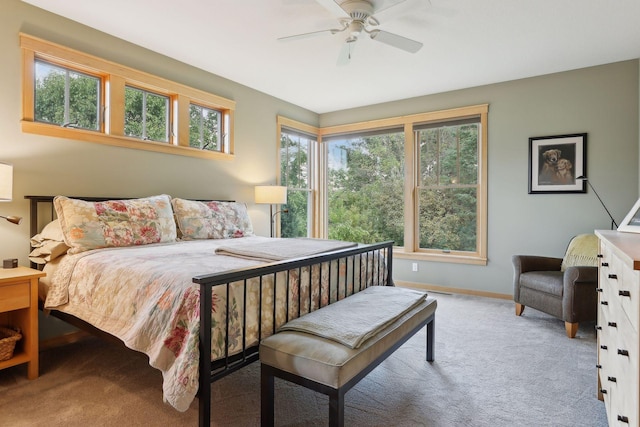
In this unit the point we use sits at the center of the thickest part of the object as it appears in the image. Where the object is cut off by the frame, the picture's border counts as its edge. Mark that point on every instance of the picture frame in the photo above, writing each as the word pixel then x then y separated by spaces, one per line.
pixel 556 162
pixel 631 222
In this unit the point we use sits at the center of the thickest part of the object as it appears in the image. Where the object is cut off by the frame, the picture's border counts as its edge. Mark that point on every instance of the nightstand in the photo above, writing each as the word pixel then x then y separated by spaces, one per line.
pixel 19 308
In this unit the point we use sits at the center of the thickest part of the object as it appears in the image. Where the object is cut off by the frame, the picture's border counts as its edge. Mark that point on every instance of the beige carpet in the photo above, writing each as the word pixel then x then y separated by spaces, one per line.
pixel 492 369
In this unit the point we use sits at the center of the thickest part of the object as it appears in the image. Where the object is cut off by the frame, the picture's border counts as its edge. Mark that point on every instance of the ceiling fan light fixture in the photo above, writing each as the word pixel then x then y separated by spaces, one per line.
pixel 356 27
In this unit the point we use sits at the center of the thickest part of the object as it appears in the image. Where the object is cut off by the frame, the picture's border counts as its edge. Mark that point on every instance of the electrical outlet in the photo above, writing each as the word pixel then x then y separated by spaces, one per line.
pixel 414 266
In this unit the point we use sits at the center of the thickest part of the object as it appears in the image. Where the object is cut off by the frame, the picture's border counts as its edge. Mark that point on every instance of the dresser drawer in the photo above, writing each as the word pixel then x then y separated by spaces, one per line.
pixel 628 291
pixel 625 359
pixel 619 287
pixel 15 296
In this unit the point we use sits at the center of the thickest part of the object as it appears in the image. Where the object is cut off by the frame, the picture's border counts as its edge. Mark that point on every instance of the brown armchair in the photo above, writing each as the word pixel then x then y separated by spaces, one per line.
pixel 560 287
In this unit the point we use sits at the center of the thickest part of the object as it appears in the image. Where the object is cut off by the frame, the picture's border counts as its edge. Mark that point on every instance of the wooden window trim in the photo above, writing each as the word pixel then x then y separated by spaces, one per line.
pixel 314 178
pixel 411 249
pixel 115 77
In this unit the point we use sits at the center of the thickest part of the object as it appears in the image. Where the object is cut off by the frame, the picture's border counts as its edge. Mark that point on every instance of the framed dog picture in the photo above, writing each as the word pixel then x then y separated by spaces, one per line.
pixel 555 162
pixel 631 222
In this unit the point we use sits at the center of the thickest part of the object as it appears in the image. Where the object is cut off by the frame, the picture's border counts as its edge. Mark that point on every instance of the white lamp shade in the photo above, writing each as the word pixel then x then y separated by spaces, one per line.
pixel 6 182
pixel 271 194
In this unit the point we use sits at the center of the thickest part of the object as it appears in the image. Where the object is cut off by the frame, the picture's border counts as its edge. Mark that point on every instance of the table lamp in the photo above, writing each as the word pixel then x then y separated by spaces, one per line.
pixel 6 189
pixel 271 195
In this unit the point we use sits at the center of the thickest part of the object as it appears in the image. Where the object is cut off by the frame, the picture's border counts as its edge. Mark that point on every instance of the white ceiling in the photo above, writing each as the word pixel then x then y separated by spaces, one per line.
pixel 466 42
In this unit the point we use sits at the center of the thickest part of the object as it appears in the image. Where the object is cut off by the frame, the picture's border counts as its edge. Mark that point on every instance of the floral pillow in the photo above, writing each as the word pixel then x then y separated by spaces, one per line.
pixel 113 223
pixel 211 220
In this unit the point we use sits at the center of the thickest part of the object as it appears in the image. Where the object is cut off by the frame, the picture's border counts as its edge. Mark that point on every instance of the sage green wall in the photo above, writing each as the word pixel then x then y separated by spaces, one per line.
pixel 45 165
pixel 602 101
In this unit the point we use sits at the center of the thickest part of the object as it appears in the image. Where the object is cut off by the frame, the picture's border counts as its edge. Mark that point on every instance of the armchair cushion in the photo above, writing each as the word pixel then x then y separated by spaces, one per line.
pixel 582 251
pixel 549 282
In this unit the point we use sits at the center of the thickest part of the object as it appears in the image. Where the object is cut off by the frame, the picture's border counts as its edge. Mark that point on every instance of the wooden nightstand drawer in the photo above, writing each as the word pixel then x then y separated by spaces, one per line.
pixel 14 297
pixel 19 308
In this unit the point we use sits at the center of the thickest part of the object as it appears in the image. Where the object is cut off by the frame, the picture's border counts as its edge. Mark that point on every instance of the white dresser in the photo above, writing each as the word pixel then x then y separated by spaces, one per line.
pixel 618 315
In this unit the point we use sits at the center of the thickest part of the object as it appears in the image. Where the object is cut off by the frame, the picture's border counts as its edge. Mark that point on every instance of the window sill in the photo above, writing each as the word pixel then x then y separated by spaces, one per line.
pixel 118 141
pixel 400 253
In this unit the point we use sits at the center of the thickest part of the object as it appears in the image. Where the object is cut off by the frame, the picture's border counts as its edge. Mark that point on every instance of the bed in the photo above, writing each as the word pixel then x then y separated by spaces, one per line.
pixel 140 280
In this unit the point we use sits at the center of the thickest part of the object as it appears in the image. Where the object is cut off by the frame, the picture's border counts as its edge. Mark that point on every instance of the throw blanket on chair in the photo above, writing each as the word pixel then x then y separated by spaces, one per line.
pixel 281 249
pixel 353 320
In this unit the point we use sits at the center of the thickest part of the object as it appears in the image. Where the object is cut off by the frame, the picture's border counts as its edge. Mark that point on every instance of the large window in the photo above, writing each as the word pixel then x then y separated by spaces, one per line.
pixel 297 156
pixel 448 185
pixel 365 186
pixel 73 95
pixel 419 180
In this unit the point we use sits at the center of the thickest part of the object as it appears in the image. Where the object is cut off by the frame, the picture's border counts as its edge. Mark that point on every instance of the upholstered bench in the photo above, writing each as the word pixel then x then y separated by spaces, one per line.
pixel 331 367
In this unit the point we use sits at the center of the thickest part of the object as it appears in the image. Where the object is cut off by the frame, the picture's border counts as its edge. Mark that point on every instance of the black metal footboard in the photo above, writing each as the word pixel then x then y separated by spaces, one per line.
pixel 345 271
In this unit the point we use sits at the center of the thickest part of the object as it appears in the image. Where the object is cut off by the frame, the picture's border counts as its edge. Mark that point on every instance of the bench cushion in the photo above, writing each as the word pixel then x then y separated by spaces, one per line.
pixel 333 364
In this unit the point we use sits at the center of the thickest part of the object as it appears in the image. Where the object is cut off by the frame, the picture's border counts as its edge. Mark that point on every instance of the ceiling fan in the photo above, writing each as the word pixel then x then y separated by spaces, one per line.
pixel 357 17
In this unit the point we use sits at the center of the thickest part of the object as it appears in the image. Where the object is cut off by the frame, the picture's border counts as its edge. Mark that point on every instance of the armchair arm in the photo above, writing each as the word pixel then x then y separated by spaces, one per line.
pixel 580 274
pixel 525 263
pixel 580 299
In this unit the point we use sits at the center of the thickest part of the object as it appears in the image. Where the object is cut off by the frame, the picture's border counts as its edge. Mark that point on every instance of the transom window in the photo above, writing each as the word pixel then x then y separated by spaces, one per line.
pixel 66 97
pixel 204 128
pixel 146 115
pixel 70 94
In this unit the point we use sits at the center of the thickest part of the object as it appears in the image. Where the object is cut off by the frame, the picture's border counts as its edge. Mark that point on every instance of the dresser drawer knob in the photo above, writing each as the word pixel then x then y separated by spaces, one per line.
pixel 604 347
pixel 599 256
pixel 598 327
pixel 603 391
pixel 623 352
pixel 598 289
pixel 612 324
pixel 599 366
pixel 623 419
pixel 604 303
pixel 605 264
pixel 611 379
pixel 624 293
pixel 613 276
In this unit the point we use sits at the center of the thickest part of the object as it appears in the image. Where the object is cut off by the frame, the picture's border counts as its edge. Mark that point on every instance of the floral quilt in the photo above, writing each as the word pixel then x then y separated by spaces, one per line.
pixel 145 296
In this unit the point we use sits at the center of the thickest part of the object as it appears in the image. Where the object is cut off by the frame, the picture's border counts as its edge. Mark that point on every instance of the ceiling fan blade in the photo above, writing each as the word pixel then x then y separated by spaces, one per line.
pixel 346 52
pixel 306 35
pixel 334 8
pixel 384 9
pixel 395 40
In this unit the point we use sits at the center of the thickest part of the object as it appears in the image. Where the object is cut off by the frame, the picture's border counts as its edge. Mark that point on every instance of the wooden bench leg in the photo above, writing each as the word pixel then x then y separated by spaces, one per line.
pixel 336 408
pixel 431 335
pixel 267 396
